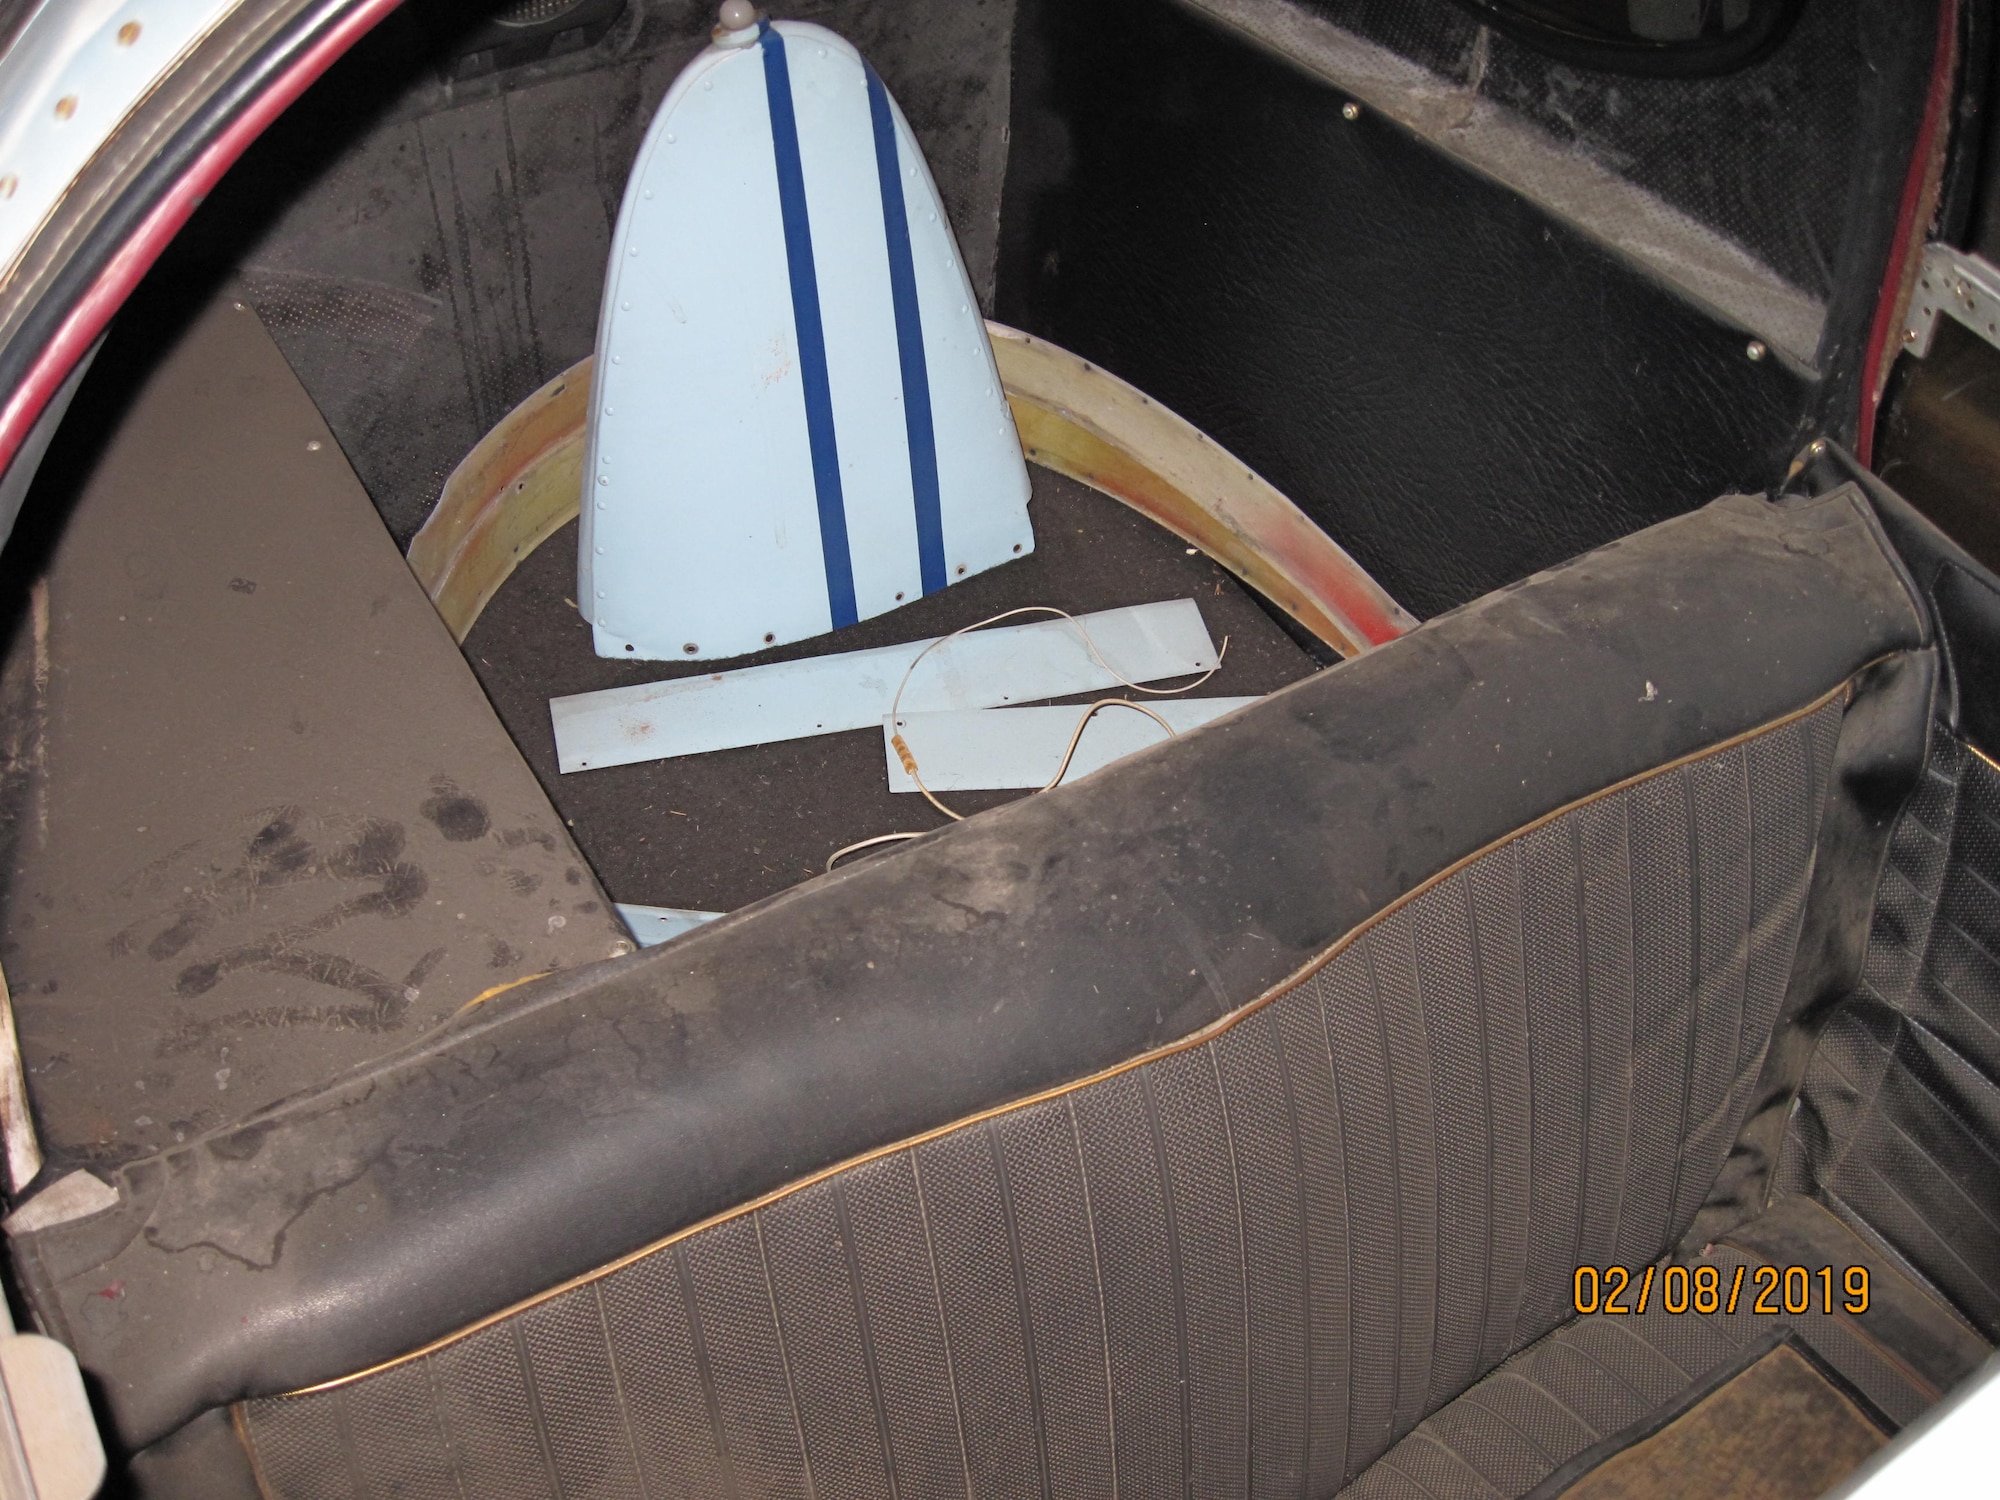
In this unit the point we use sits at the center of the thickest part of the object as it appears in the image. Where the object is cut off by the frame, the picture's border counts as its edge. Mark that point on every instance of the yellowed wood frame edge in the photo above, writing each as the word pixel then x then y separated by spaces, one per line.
pixel 1085 422
pixel 521 484
pixel 1206 1034
pixel 517 487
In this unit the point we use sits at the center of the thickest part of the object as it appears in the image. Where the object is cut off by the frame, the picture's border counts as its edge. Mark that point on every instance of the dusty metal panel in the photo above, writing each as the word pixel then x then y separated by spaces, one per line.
pixel 260 824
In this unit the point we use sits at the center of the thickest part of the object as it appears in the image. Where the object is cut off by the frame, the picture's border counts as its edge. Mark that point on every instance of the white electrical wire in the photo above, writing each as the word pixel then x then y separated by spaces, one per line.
pixel 909 760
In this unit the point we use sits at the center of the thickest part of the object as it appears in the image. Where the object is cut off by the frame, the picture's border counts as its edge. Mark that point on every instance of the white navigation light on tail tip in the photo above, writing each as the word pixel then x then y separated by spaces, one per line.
pixel 796 422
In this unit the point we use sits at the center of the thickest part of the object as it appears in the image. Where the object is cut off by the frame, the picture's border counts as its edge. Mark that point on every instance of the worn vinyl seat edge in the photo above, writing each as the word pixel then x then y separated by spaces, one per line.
pixel 1077 933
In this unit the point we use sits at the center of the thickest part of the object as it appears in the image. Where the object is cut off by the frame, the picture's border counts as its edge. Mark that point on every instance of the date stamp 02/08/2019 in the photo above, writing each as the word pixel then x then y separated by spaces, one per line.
pixel 1772 1290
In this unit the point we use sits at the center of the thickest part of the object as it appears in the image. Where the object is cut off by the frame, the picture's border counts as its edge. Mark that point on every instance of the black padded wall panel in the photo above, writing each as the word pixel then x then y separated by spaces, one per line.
pixel 1767 154
pixel 1457 386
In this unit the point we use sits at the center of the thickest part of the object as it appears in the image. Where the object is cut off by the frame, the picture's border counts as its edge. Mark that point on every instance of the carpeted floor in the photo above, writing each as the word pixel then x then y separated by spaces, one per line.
pixel 718 831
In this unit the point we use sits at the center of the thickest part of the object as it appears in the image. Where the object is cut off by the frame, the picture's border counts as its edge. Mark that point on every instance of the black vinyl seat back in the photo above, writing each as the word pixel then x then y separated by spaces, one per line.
pixel 1202 1128
pixel 1243 1267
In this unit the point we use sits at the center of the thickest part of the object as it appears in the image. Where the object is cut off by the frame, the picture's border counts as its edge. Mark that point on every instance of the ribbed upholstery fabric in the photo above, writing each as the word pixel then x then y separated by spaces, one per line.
pixel 1245 1266
pixel 1599 1377
pixel 1898 1127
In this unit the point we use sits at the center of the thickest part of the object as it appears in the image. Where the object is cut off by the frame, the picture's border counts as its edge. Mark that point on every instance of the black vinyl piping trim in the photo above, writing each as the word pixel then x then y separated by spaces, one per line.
pixel 77 268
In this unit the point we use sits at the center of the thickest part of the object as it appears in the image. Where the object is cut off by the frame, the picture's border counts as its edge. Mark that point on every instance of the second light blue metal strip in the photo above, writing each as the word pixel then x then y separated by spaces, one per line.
pixel 811 333
pixel 909 343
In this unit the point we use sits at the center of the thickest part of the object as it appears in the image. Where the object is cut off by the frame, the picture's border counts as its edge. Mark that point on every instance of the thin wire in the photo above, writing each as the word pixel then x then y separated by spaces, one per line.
pixel 909 759
pixel 1069 752
pixel 1049 609
pixel 854 848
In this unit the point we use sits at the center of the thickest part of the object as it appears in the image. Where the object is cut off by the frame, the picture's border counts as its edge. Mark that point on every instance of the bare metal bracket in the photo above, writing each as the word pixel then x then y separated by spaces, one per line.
pixel 1955 284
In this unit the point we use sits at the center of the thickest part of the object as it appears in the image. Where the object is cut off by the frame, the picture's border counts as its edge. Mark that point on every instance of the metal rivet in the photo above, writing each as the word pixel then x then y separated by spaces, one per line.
pixel 961 570
pixel 1756 349
pixel 690 648
pixel 624 307
pixel 600 593
pixel 65 106
pixel 899 598
pixel 708 83
pixel 601 505
pixel 649 192
pixel 604 479
pixel 634 250
pixel 8 184
pixel 312 445
pixel 617 359
pixel 1350 111
pixel 600 552
pixel 128 33
pixel 1017 546
pixel 670 141
pixel 769 636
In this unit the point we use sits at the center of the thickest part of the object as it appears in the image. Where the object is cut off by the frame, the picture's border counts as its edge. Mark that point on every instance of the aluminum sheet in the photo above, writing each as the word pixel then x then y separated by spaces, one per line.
pixel 854 690
pixel 994 749
pixel 652 925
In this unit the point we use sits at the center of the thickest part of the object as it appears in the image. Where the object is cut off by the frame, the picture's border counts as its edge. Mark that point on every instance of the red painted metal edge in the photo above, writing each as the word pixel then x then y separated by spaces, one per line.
pixel 135 257
pixel 1910 234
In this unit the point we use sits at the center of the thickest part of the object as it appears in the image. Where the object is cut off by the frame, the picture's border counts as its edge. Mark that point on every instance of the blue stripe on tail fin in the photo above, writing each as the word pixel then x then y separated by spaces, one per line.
pixel 909 343
pixel 811 334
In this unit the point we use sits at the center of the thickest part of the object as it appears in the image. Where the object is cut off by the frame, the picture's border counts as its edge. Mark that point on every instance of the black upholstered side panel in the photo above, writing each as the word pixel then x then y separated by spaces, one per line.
pixel 1601 1382
pixel 1899 1123
pixel 1246 1266
pixel 1454 385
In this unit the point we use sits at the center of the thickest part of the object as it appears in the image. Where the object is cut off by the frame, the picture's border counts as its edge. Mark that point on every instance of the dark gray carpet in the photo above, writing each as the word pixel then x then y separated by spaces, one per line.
pixel 721 830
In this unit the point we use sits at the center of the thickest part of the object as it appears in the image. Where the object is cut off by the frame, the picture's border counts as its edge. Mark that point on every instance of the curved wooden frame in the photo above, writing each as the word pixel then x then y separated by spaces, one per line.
pixel 522 481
